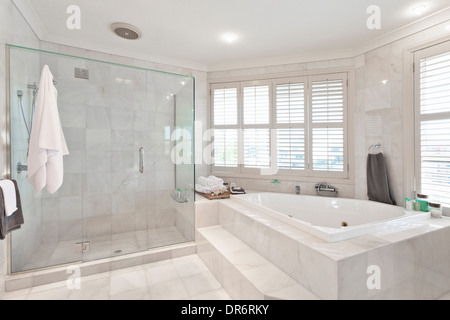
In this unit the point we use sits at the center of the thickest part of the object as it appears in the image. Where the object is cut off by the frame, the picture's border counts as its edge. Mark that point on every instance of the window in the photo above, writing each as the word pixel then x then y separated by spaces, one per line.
pixel 432 91
pixel 328 98
pixel 297 126
pixel 225 124
pixel 290 114
pixel 256 125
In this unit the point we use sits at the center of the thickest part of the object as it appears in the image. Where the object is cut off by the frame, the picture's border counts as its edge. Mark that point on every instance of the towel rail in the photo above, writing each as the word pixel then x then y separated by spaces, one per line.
pixel 377 146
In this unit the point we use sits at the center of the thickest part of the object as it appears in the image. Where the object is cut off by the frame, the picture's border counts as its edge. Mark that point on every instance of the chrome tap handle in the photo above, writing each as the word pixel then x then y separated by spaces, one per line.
pixel 141 160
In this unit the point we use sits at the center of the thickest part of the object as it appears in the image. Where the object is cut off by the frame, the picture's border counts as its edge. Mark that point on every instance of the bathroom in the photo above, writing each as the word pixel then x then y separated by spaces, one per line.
pixel 108 217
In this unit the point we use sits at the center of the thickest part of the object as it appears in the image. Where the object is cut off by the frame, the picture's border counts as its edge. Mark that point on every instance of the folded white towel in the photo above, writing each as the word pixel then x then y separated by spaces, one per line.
pixel 47 143
pixel 205 182
pixel 202 189
pixel 9 194
pixel 217 182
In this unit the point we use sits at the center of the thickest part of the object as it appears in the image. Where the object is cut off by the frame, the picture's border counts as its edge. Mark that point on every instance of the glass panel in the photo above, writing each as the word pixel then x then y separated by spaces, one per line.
pixel 53 223
pixel 120 176
pixel 116 127
pixel 171 103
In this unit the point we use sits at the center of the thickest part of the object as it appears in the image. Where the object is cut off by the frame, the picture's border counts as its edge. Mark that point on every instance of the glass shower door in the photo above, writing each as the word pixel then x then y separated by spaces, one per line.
pixel 115 221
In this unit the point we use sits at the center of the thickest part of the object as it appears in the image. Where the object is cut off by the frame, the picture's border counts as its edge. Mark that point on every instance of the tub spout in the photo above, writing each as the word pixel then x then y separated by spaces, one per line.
pixel 325 187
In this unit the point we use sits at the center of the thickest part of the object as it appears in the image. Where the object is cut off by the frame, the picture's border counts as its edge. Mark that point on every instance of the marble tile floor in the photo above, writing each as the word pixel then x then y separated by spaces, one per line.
pixel 185 278
pixel 63 252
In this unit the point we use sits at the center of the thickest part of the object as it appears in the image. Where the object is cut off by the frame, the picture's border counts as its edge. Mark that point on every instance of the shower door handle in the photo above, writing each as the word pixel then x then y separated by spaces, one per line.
pixel 141 160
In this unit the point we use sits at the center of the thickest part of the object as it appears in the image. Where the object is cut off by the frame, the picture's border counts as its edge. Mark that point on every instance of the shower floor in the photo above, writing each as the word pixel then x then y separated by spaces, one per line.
pixel 63 252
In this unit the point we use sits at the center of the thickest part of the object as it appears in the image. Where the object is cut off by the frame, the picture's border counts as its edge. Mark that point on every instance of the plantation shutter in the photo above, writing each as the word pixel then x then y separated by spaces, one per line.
pixel 256 124
pixel 290 124
pixel 225 124
pixel 327 125
pixel 433 122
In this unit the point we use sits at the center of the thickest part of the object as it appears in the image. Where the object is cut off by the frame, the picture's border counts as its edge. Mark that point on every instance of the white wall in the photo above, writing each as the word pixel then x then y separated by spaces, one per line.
pixel 379 108
pixel 378 112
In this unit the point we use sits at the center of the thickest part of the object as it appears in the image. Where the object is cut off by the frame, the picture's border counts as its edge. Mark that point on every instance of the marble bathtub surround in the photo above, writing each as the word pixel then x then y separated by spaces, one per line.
pixel 411 267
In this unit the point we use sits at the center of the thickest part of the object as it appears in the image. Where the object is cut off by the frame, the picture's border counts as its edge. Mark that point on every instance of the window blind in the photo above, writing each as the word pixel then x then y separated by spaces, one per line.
pixel 225 119
pixel 434 122
pixel 256 105
pixel 298 122
pixel 225 106
pixel 256 148
pixel 291 149
pixel 328 101
pixel 290 103
pixel 328 149
pixel 290 125
pixel 327 122
pixel 226 148
pixel 256 112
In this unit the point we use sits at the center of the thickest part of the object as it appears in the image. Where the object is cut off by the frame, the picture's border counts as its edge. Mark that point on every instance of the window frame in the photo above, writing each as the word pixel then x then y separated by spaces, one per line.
pixel 329 125
pixel 213 126
pixel 304 126
pixel 347 176
pixel 419 118
pixel 256 83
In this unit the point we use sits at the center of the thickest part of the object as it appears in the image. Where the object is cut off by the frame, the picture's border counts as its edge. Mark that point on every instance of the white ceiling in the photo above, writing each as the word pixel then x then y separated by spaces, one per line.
pixel 188 32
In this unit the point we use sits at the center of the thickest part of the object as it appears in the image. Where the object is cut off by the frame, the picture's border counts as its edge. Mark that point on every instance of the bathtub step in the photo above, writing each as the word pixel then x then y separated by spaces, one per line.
pixel 244 273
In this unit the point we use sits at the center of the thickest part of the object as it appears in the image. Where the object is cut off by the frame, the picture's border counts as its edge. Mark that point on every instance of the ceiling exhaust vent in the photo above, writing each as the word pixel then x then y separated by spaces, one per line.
pixel 126 31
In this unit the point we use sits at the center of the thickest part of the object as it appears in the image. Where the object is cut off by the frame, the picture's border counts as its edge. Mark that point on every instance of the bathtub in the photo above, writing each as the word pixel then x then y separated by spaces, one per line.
pixel 331 219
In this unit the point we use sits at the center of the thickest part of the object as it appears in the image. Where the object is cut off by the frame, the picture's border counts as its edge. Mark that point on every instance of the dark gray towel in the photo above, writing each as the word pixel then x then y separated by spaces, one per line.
pixel 13 222
pixel 377 179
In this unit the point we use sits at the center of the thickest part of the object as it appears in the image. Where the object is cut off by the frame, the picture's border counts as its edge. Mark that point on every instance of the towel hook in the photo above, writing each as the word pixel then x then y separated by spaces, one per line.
pixel 377 146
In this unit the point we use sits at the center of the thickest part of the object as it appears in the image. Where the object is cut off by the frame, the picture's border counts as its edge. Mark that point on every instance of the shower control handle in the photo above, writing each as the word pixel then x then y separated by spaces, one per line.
pixel 141 160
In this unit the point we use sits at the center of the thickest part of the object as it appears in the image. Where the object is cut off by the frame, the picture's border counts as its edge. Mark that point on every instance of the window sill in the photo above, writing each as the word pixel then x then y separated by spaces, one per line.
pixel 281 178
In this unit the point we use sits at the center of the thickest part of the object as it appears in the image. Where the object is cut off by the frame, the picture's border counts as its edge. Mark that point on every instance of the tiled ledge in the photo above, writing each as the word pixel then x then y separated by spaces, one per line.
pixel 414 258
pixel 243 272
pixel 38 278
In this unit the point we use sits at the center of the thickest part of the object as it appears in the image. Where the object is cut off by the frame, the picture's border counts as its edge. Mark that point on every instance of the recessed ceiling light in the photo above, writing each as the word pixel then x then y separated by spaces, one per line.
pixel 447 27
pixel 419 9
pixel 230 37
pixel 384 82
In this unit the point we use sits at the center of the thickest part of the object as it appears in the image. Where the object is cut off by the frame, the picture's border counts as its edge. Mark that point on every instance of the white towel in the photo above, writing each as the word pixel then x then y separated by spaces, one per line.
pixel 202 189
pixel 217 182
pixel 205 182
pixel 9 195
pixel 47 142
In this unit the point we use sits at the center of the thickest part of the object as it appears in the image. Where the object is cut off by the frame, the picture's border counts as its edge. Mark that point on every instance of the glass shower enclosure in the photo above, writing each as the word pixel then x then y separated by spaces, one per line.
pixel 128 185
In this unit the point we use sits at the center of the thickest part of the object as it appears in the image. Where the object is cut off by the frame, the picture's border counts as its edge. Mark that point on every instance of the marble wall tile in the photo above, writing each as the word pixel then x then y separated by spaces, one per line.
pixel 206 214
pixel 97 205
pixel 321 281
pixel 97 118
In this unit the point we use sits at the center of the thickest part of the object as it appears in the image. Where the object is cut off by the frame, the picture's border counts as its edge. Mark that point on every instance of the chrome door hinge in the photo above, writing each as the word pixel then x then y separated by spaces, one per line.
pixel 82 247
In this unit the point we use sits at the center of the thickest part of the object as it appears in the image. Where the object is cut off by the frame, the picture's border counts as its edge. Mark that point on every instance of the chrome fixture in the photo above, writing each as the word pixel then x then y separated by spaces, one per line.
pixel 325 190
pixel 21 168
pixel 376 147
pixel 298 190
pixel 141 160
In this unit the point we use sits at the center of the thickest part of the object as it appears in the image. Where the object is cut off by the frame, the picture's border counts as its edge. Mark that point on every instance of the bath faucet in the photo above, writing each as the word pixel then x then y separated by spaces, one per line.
pixel 298 190
pixel 325 187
